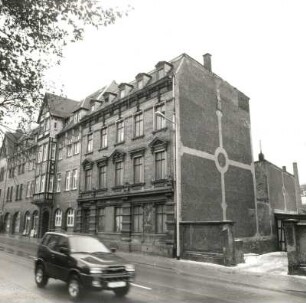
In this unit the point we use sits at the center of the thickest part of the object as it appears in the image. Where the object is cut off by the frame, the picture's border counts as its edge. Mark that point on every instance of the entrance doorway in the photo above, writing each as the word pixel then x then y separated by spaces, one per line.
pixel 281 235
pixel 45 222
pixel 85 220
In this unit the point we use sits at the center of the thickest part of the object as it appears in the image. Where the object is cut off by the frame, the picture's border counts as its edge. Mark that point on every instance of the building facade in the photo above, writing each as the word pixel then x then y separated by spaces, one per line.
pixel 147 165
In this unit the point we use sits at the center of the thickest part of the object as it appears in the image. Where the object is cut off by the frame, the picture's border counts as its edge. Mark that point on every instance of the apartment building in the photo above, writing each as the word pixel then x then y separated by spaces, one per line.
pixel 161 164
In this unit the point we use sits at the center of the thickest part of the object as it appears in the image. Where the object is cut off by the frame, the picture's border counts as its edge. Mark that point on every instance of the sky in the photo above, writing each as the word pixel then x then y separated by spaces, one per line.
pixel 257 46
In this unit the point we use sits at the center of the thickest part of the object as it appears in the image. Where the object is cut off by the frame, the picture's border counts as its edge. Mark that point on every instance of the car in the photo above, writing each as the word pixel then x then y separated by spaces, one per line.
pixel 83 262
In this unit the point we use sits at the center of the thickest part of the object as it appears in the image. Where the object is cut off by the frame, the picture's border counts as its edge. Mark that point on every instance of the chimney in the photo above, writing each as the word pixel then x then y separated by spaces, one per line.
pixel 297 187
pixel 284 168
pixel 207 61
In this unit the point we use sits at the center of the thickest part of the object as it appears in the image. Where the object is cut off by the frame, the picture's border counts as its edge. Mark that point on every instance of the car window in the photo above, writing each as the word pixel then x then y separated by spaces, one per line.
pixel 62 242
pixel 52 243
pixel 45 240
pixel 87 244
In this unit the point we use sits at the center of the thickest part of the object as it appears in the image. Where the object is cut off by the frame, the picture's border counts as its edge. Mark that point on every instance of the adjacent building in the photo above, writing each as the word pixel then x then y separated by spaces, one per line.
pixel 150 165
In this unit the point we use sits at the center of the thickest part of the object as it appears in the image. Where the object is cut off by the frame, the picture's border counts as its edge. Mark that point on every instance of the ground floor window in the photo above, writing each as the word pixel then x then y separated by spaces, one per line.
pixel 35 218
pixel 16 226
pixel 70 217
pixel 58 218
pixel 27 220
pixel 160 219
pixel 137 219
pixel 101 219
pixel 7 222
pixel 118 219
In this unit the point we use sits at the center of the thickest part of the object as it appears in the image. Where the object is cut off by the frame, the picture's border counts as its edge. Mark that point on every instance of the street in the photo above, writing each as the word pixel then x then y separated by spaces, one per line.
pixel 153 284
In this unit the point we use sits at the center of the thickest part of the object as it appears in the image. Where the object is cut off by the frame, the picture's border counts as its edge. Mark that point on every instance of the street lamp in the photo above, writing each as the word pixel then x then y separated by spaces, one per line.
pixel 177 184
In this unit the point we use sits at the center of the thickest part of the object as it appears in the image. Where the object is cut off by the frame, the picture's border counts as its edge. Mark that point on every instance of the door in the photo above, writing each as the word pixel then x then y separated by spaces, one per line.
pixel 45 222
pixel 85 220
pixel 281 235
pixel 61 260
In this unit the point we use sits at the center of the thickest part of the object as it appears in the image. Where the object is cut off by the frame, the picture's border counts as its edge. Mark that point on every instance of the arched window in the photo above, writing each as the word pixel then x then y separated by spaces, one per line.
pixel 34 230
pixel 7 222
pixel 70 217
pixel 27 220
pixel 58 218
pixel 16 226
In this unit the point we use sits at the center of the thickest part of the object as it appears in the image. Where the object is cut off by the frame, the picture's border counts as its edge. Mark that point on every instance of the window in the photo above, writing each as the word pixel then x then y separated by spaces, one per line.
pixel 118 219
pixel 160 73
pixel 20 191
pixel 42 183
pixel 160 219
pixel 122 93
pixel 138 125
pixel 70 217
pixel 104 137
pixel 160 165
pixel 37 184
pixel 140 84
pixel 138 219
pixel 160 122
pixel 69 150
pixel 28 194
pixel 50 186
pixel 76 147
pixel 40 153
pixel 118 173
pixel 120 131
pixel 58 218
pixel 16 221
pixel 27 220
pixel 58 183
pixel 17 192
pixel 102 177
pixel 60 153
pixel 53 149
pixel 74 179
pixel 88 179
pixel 45 152
pixel 67 180
pixel 32 188
pixel 101 219
pixel 89 143
pixel 138 169
pixel 2 174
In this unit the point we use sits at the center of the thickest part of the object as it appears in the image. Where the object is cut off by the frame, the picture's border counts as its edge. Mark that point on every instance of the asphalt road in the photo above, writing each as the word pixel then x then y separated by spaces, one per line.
pixel 152 285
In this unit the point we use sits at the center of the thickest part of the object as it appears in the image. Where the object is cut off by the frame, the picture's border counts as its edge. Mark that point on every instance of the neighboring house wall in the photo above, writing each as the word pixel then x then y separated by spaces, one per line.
pixel 217 172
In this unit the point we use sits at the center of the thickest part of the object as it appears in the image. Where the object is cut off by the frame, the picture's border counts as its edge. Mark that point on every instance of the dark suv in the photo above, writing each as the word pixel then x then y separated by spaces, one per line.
pixel 84 262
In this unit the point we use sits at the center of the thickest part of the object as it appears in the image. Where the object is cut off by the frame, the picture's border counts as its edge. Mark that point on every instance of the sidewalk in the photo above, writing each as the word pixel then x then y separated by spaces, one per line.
pixel 268 271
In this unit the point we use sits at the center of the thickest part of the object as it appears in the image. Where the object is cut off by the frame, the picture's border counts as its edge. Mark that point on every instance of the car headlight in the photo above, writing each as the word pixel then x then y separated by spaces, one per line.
pixel 95 270
pixel 130 267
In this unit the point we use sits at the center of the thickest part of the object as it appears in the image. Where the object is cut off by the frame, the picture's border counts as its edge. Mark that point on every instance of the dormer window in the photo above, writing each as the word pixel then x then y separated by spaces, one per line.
pixel 122 93
pixel 124 88
pixel 142 80
pixel 162 69
pixel 109 97
pixel 92 106
pixel 140 84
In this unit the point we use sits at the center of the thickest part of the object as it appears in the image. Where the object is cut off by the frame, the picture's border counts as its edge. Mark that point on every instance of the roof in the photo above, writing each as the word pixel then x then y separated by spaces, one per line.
pixel 59 106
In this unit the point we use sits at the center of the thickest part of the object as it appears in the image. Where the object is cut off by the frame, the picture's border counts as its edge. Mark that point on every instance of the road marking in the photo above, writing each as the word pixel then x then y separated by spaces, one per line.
pixel 140 286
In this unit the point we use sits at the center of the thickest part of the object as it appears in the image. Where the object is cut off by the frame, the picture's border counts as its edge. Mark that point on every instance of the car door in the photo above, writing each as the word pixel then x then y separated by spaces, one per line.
pixel 49 255
pixel 61 259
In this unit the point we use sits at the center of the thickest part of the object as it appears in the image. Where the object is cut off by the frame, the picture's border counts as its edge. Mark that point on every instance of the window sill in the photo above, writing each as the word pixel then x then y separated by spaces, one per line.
pixel 138 137
pixel 103 148
pixel 138 184
pixel 118 187
pixel 159 181
pixel 119 143
pixel 88 153
pixel 159 130
pixel 102 189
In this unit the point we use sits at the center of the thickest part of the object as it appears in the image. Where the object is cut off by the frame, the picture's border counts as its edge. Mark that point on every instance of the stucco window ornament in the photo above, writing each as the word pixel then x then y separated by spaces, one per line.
pixel 157 144
pixel 87 164
pixel 117 155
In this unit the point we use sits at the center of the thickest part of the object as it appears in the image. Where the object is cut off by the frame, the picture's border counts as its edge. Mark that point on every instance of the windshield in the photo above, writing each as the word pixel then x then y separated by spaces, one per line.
pixel 87 245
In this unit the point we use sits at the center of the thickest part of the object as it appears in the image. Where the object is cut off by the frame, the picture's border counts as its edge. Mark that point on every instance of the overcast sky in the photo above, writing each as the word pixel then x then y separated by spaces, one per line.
pixel 257 46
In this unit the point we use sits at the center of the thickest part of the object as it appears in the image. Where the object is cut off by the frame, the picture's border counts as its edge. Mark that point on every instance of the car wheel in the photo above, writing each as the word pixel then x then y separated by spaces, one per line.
pixel 122 291
pixel 74 288
pixel 41 278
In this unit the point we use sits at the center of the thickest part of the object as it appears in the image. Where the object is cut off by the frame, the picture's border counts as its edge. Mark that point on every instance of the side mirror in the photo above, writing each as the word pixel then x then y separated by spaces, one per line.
pixel 64 250
pixel 113 249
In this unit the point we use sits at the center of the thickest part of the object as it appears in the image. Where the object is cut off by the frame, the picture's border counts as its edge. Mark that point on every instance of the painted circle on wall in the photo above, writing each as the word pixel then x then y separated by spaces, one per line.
pixel 221 160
